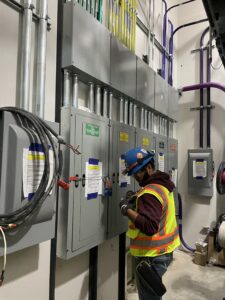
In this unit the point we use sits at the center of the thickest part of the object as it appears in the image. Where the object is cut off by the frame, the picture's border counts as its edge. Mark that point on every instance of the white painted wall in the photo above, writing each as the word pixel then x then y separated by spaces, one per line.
pixel 197 211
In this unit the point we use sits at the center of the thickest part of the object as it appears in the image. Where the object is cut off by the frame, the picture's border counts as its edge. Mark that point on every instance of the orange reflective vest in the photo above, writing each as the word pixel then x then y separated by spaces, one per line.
pixel 166 239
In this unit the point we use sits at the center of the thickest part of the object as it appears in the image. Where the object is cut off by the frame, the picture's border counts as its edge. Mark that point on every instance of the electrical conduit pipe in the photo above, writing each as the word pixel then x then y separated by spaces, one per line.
pixel 201 90
pixel 164 33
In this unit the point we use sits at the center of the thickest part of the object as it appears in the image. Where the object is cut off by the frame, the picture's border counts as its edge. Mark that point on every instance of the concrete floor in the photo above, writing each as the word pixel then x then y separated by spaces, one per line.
pixel 185 280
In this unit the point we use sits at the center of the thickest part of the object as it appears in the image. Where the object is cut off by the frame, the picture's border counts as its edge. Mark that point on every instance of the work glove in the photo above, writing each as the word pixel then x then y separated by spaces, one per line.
pixel 128 202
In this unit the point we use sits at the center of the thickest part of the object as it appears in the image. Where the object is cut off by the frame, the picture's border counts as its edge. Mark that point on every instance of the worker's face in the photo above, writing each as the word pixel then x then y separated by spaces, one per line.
pixel 146 171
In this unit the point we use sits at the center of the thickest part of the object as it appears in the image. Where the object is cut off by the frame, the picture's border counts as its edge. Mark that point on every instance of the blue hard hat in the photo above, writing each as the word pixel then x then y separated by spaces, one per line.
pixel 137 158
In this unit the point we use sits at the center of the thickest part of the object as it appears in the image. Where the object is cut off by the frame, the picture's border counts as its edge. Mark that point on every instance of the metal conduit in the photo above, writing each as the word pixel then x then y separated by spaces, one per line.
pixel 41 58
pixel 26 56
pixel 105 103
pixel 91 96
pixel 110 105
pixel 149 121
pixel 75 91
pixel 135 115
pixel 98 100
pixel 142 116
pixel 19 8
pixel 131 114
pixel 121 110
pixel 66 89
pixel 146 119
pixel 126 112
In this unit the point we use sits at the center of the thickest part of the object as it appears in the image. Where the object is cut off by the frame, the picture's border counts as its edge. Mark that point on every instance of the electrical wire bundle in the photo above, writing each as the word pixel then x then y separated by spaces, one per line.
pixel 46 136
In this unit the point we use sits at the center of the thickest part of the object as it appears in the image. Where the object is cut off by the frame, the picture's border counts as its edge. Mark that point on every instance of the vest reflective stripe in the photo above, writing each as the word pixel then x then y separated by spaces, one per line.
pixel 144 241
pixel 167 237
pixel 156 238
pixel 155 247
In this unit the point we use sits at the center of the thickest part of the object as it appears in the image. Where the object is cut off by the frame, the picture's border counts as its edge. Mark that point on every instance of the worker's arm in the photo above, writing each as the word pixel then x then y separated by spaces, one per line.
pixel 148 215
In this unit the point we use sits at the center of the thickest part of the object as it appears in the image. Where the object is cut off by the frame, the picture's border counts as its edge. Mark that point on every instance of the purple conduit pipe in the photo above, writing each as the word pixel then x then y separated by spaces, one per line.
pixel 208 99
pixel 201 90
pixel 164 41
pixel 170 67
pixel 203 86
pixel 164 33
pixel 180 225
pixel 175 31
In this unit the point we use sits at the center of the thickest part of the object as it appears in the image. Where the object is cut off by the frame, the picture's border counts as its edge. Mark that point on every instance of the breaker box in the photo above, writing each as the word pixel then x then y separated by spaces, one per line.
pixel 146 140
pixel 200 172
pixel 161 155
pixel 122 139
pixel 82 209
pixel 17 148
pixel 172 162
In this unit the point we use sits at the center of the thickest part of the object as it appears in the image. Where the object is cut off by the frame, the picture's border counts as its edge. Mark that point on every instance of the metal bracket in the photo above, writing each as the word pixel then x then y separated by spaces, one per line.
pixel 204 48
pixel 202 107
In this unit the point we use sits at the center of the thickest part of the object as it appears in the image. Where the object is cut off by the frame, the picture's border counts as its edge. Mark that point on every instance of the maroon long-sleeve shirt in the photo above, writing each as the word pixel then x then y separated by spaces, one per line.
pixel 149 207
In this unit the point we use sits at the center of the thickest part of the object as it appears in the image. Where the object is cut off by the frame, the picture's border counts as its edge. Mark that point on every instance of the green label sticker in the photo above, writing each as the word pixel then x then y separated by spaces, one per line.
pixel 92 130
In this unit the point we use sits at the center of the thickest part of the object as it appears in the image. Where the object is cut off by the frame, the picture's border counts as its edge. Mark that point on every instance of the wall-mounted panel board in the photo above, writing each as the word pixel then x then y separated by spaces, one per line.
pixel 173 97
pixel 200 172
pixel 146 140
pixel 123 68
pixel 161 95
pixel 145 83
pixel 83 212
pixel 161 161
pixel 86 43
pixel 122 139
pixel 173 166
pixel 19 148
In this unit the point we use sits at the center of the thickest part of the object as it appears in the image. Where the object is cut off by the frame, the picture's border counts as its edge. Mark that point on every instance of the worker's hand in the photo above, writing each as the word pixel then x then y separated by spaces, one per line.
pixel 126 203
pixel 124 206
pixel 131 197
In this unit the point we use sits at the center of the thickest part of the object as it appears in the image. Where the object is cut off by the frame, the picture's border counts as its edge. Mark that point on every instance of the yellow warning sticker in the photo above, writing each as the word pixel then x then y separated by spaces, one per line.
pixel 145 141
pixel 124 137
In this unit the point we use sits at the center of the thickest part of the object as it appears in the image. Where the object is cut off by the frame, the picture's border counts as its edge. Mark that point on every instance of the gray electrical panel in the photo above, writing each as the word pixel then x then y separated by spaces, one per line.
pixel 161 95
pixel 82 213
pixel 161 153
pixel 86 44
pixel 18 147
pixel 145 83
pixel 122 139
pixel 200 172
pixel 123 68
pixel 173 97
pixel 173 166
pixel 146 140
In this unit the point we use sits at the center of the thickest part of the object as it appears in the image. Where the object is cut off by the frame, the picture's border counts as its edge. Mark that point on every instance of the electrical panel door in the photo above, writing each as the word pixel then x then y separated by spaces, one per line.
pixel 85 44
pixel 200 172
pixel 173 166
pixel 19 149
pixel 161 153
pixel 82 208
pixel 146 140
pixel 122 139
pixel 161 95
pixel 145 83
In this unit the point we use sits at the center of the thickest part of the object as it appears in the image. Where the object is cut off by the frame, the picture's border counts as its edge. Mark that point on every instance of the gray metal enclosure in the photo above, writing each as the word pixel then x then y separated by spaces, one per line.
pixel 16 135
pixel 173 165
pixel 122 138
pixel 161 154
pixel 82 221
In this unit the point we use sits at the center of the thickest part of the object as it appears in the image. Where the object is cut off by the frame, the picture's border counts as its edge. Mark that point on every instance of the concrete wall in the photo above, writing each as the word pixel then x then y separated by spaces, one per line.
pixel 198 212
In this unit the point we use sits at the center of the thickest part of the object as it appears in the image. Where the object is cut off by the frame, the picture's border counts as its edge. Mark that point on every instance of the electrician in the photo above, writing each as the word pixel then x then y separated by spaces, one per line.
pixel 153 230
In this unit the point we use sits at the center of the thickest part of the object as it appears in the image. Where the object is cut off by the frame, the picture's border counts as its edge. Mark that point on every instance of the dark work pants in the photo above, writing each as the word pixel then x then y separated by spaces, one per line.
pixel 160 264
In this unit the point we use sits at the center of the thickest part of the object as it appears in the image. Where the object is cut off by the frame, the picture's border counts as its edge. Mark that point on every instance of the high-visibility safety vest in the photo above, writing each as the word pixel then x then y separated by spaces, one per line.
pixel 166 239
